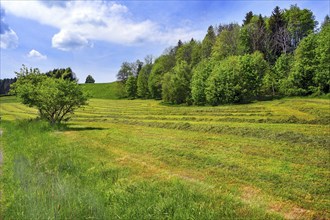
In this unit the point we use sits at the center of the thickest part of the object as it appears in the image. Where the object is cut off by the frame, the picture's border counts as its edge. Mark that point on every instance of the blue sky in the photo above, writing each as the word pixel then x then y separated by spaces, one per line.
pixel 96 37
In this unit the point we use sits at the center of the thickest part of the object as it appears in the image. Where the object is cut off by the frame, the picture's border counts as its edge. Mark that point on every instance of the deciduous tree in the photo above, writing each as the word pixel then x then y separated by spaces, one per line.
pixel 198 84
pixel 300 23
pixel 131 87
pixel 227 43
pixel 56 99
pixel 89 79
pixel 142 81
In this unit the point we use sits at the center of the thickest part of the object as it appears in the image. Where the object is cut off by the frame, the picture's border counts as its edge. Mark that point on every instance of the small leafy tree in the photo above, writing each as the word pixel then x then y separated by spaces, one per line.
pixel 55 99
pixel 90 79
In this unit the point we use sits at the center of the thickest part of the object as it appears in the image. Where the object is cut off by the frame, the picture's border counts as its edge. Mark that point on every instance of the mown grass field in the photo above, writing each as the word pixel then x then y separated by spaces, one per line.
pixel 123 159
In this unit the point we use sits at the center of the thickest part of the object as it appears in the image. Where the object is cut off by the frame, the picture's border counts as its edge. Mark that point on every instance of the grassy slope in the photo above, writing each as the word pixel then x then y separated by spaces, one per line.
pixel 101 90
pixel 141 160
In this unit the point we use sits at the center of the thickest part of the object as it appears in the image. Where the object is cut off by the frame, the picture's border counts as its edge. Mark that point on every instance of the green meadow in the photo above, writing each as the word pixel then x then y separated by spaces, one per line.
pixel 141 159
pixel 102 90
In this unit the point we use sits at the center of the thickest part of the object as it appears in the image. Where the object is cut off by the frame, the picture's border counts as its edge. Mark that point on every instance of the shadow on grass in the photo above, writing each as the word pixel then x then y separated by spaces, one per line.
pixel 83 128
pixel 76 127
pixel 241 102
pixel 45 126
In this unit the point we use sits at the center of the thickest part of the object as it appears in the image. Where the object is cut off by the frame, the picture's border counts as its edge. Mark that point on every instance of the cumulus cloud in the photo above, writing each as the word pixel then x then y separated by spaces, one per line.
pixel 66 40
pixel 8 37
pixel 36 54
pixel 81 22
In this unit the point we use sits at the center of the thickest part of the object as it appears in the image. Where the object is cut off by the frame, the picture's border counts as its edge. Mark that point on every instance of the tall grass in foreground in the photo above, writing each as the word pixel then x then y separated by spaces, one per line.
pixel 45 178
pixel 36 177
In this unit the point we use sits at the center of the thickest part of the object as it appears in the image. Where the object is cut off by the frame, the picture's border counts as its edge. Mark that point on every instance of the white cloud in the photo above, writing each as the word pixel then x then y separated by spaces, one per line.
pixel 66 40
pixel 8 40
pixel 36 54
pixel 8 37
pixel 117 8
pixel 80 22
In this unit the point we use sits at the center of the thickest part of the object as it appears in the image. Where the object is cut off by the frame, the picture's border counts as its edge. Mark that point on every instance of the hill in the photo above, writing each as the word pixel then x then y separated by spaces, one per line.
pixel 102 90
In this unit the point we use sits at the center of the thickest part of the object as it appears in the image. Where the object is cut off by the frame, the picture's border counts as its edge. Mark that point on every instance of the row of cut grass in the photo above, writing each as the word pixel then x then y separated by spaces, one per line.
pixel 142 160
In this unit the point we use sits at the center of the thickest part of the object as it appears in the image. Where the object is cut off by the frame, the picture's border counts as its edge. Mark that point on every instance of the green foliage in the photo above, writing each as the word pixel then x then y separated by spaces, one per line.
pixel 310 71
pixel 184 52
pixel 326 21
pixel 227 43
pixel 62 74
pixel 300 80
pixel 124 72
pixel 273 80
pixel 285 69
pixel 155 85
pixel 196 53
pixel 253 68
pixel 248 18
pixel 142 81
pixel 276 20
pixel 300 23
pixel 130 87
pixel 198 84
pixel 167 87
pixel 177 84
pixel 245 39
pixel 5 85
pixel 162 65
pixel 322 76
pixel 129 69
pixel 89 79
pixel 182 79
pixel 208 43
pixel 189 52
pixel 236 79
pixel 254 36
pixel 223 84
pixel 283 66
pixel 54 98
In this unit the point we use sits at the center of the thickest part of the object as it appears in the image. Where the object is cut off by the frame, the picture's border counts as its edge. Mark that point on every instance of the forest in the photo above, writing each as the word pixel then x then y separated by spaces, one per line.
pixel 5 85
pixel 285 54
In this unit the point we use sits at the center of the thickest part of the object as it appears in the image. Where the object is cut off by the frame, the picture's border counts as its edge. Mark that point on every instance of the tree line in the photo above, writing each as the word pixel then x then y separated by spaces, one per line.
pixel 5 85
pixel 65 73
pixel 284 54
